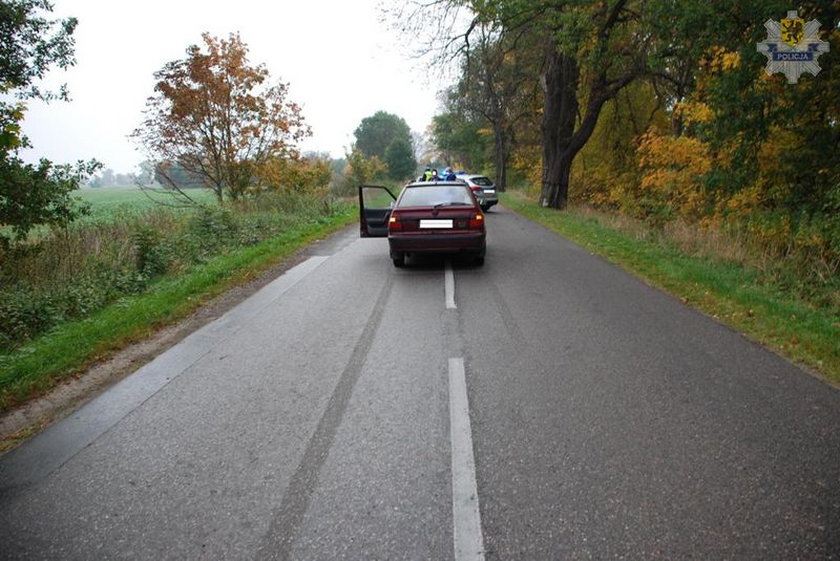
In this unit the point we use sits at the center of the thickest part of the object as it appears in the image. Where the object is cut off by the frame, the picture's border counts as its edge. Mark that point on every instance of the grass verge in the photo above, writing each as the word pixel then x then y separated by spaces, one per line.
pixel 71 347
pixel 732 293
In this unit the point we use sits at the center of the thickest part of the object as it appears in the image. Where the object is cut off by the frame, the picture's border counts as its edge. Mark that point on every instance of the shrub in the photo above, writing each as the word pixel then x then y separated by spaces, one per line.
pixel 149 250
pixel 211 228
pixel 24 314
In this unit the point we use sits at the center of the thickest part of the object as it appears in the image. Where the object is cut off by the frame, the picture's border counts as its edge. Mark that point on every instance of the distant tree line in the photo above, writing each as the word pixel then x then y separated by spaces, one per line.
pixel 109 178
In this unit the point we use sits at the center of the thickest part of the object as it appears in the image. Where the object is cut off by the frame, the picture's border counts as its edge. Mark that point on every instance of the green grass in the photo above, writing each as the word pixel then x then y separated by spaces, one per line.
pixel 734 294
pixel 115 196
pixel 112 203
pixel 69 348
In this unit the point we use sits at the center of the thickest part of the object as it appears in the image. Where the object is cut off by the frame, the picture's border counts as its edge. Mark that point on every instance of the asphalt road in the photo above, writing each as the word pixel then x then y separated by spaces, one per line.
pixel 543 406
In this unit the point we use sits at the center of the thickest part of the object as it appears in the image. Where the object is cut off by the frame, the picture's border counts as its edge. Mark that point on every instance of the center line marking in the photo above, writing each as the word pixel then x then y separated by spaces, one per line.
pixel 449 286
pixel 466 516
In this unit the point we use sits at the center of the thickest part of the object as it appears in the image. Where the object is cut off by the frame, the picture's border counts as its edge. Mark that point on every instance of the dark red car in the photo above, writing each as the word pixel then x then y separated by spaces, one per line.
pixel 427 217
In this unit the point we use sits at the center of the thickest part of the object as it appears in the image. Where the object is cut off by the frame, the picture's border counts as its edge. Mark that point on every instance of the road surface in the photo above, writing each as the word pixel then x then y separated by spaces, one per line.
pixel 544 406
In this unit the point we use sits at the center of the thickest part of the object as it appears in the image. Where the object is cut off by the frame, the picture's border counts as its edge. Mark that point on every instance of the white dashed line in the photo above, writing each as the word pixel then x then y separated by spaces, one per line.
pixel 449 286
pixel 466 516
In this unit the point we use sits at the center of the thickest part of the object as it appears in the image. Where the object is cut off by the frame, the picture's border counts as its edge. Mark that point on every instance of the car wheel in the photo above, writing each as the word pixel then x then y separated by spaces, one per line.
pixel 484 208
pixel 399 260
pixel 479 261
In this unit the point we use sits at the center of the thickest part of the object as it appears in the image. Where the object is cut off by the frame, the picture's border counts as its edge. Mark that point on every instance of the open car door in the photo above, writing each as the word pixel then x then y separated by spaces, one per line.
pixel 375 205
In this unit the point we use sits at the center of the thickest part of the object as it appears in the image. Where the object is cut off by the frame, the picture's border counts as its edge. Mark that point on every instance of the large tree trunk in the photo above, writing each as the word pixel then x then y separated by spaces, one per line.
pixel 560 82
pixel 500 154
pixel 562 140
pixel 555 189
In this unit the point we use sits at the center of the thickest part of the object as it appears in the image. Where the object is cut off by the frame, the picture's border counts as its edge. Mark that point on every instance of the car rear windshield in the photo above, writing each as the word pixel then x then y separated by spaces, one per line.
pixel 481 180
pixel 436 195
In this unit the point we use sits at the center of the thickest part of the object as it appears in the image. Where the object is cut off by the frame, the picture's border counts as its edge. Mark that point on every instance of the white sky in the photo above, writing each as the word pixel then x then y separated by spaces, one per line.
pixel 342 64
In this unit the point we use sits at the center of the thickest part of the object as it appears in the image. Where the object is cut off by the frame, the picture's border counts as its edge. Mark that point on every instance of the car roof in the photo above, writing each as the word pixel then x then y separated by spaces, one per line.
pixel 433 183
pixel 430 193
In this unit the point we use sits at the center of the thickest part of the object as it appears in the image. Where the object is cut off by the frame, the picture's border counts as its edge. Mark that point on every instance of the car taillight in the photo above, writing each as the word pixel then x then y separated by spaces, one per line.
pixel 394 224
pixel 477 222
pixel 475 188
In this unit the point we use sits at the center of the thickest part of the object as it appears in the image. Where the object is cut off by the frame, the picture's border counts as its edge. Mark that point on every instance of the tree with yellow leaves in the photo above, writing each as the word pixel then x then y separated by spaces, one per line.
pixel 218 117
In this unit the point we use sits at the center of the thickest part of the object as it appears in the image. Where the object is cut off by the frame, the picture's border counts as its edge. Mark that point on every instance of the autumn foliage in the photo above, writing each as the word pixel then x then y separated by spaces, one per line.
pixel 362 169
pixel 220 118
pixel 671 168
pixel 295 175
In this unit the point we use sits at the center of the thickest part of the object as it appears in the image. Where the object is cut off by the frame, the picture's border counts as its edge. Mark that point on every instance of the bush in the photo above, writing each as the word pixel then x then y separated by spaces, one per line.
pixel 211 228
pixel 150 253
pixel 24 314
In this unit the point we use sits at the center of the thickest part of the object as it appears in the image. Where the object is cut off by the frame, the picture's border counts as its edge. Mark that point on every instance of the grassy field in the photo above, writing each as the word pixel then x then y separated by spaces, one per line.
pixel 732 293
pixel 112 203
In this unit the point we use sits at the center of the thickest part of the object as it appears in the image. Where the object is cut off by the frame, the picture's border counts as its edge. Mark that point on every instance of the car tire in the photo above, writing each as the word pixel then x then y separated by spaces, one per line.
pixel 399 260
pixel 479 261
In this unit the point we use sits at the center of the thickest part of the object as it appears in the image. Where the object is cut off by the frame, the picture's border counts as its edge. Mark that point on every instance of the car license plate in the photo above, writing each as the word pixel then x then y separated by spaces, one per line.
pixel 435 223
pixel 489 191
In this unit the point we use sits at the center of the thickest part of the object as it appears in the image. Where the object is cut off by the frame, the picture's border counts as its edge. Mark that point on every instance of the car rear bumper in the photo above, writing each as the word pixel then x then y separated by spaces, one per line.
pixel 437 243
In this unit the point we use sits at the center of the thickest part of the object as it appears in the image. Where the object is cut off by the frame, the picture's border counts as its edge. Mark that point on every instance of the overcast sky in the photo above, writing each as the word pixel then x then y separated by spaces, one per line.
pixel 342 64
